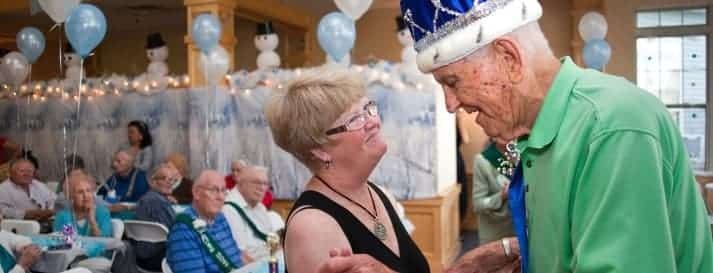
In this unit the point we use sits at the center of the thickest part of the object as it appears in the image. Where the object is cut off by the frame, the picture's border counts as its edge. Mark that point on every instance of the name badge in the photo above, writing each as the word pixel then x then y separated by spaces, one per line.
pixel 111 194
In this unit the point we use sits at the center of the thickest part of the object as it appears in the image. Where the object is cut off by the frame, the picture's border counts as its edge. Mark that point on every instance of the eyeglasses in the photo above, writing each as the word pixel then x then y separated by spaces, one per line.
pixel 357 122
pixel 215 190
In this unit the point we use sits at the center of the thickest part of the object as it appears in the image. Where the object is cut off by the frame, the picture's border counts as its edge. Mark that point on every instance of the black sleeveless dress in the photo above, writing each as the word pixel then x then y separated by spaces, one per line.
pixel 361 239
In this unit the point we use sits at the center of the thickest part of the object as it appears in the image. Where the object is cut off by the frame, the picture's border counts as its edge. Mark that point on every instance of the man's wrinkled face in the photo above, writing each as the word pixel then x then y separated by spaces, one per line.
pixel 22 173
pixel 477 84
pixel 122 162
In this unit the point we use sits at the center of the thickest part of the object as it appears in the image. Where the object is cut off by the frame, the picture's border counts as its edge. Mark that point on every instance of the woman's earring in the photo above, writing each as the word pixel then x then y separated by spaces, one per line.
pixel 328 164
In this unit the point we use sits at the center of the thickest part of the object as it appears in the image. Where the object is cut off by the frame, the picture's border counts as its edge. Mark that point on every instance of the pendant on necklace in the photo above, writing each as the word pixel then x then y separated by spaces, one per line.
pixel 379 230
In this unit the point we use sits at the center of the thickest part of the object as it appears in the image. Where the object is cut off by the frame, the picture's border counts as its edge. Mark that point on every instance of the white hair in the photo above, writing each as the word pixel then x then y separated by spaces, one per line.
pixel 529 37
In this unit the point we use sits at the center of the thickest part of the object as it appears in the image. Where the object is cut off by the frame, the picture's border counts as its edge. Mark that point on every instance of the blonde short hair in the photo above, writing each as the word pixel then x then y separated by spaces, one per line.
pixel 299 116
pixel 179 161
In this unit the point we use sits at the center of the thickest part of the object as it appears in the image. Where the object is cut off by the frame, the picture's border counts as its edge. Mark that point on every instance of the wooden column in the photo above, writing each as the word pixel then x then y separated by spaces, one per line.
pixel 225 11
pixel 579 8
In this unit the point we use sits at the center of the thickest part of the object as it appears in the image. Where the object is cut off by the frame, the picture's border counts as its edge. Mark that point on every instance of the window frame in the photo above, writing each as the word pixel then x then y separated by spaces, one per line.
pixel 680 31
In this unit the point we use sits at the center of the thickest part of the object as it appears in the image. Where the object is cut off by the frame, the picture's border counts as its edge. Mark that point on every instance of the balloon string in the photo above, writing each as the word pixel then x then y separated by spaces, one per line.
pixel 79 104
pixel 207 124
pixel 60 48
pixel 27 106
pixel 18 122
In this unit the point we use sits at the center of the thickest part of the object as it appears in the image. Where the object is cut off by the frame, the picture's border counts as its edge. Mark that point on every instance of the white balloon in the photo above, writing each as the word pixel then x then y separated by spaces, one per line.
pixel 353 8
pixel 215 65
pixel 58 10
pixel 16 67
pixel 593 25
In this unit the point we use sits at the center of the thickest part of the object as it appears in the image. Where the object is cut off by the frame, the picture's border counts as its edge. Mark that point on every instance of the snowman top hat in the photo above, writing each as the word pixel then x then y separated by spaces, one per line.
pixel 154 40
pixel 265 28
pixel 400 23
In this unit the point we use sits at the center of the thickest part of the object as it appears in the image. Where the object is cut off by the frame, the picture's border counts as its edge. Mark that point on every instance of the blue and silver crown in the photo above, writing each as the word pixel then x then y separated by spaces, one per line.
pixel 448 30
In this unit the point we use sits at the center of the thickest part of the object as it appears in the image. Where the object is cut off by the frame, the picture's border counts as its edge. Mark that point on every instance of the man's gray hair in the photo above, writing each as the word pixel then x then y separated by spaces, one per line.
pixel 530 38
pixel 128 154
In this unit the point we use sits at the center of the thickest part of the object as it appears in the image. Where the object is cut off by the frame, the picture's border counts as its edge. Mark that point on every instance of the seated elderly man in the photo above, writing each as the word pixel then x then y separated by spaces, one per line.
pixel 249 220
pixel 23 197
pixel 127 184
pixel 200 240
pixel 156 206
pixel 17 254
pixel 236 167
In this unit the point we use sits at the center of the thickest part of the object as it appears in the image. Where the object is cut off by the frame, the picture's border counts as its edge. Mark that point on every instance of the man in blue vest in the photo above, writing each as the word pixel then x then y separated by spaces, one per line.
pixel 200 240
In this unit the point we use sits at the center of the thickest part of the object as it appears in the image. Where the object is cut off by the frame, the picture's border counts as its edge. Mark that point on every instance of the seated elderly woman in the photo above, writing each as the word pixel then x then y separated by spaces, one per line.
pixel 156 206
pixel 326 121
pixel 200 240
pixel 88 218
pixel 182 188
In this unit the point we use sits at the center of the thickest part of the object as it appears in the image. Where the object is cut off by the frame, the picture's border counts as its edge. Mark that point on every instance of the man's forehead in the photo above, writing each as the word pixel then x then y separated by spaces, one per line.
pixel 24 165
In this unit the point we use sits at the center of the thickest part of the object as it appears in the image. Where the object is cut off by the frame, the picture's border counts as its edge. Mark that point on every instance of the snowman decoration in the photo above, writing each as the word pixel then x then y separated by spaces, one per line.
pixel 157 52
pixel 408 53
pixel 73 63
pixel 266 41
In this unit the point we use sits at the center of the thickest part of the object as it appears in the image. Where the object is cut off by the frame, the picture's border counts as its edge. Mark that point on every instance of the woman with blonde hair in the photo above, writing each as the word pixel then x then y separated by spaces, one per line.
pixel 326 121
pixel 182 186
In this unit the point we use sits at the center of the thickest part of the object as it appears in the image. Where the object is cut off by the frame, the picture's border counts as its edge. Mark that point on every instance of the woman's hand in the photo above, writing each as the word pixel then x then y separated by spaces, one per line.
pixel 343 261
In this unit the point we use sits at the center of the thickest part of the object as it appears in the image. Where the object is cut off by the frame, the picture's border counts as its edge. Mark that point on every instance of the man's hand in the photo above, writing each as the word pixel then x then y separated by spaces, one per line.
pixel 487 258
pixel 172 199
pixel 245 258
pixel 29 255
pixel 343 261
pixel 118 208
pixel 505 190
pixel 40 215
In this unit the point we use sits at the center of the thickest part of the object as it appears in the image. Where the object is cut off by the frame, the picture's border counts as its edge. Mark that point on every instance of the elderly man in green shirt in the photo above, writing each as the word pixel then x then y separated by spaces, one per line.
pixel 608 186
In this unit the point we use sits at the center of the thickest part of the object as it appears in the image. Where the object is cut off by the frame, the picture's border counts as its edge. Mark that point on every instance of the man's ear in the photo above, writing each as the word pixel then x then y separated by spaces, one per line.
pixel 509 58
pixel 320 154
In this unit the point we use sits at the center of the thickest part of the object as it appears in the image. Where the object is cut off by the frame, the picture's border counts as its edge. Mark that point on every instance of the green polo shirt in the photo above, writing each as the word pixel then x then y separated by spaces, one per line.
pixel 609 183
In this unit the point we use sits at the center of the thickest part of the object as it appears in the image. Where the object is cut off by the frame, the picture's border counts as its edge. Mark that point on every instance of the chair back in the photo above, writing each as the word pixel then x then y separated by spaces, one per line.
pixel 165 267
pixel 21 227
pixel 77 270
pixel 117 228
pixel 144 231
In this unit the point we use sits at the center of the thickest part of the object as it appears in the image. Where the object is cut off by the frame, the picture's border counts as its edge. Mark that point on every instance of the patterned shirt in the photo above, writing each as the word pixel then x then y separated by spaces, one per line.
pixel 186 253
pixel 14 201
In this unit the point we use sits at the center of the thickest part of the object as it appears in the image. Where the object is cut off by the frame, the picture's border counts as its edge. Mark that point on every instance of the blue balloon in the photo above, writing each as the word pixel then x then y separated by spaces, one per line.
pixel 85 28
pixel 336 34
pixel 31 43
pixel 205 31
pixel 596 54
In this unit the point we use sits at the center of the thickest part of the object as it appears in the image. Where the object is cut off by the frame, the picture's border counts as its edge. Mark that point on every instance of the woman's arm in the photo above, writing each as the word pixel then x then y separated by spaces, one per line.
pixel 311 235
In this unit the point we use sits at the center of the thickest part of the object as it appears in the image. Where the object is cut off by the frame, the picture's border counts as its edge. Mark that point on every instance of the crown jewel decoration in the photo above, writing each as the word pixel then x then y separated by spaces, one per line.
pixel 446 20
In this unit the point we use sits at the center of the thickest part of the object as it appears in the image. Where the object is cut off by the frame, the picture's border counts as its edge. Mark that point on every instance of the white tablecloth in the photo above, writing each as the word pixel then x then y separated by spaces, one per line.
pixel 58 260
